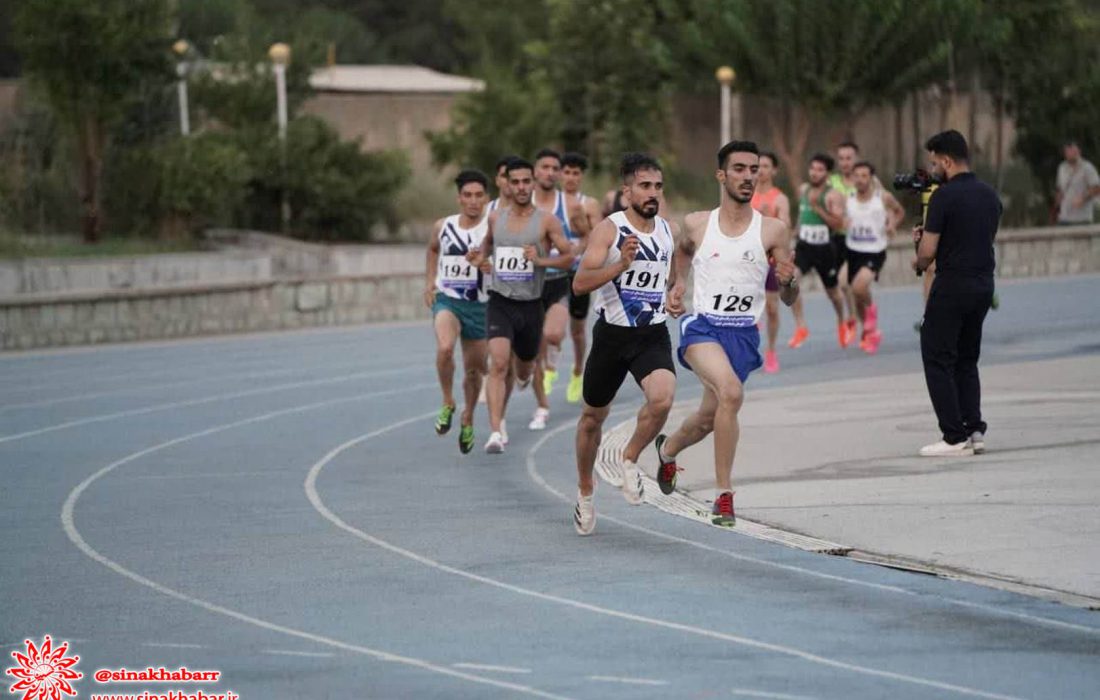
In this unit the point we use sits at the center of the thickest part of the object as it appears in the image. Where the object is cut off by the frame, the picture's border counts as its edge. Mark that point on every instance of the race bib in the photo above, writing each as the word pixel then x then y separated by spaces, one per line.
pixel 731 306
pixel 862 234
pixel 511 266
pixel 644 281
pixel 457 273
pixel 814 234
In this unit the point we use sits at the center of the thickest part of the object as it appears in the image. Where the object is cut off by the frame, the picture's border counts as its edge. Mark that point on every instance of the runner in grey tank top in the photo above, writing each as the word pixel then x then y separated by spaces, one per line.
pixel 514 276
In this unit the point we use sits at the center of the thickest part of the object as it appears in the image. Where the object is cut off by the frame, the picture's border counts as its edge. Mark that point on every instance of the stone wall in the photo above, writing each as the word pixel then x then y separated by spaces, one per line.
pixel 31 321
pixel 72 318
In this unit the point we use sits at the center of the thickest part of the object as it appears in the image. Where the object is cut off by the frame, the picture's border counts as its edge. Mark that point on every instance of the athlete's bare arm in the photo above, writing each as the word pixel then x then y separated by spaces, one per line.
pixel 834 211
pixel 432 263
pixel 783 205
pixel 553 236
pixel 776 239
pixel 594 272
pixel 592 211
pixel 578 218
pixel 695 225
pixel 895 213
pixel 482 255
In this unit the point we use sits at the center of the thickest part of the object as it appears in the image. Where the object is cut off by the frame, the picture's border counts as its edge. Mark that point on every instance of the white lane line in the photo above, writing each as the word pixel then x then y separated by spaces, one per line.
pixel 744 693
pixel 535 476
pixel 68 522
pixel 182 382
pixel 203 475
pixel 628 681
pixel 173 645
pixel 205 400
pixel 314 497
pixel 309 654
pixel 491 668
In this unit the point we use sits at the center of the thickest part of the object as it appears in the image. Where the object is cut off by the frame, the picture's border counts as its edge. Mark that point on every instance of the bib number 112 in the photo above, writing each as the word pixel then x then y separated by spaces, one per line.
pixel 733 303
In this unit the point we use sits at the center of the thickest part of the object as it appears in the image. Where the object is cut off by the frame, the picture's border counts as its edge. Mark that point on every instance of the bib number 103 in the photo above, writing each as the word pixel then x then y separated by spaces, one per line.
pixel 731 303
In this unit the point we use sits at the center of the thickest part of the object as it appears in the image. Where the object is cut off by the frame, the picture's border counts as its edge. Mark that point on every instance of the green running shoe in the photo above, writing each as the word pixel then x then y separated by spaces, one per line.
pixel 443 420
pixel 575 389
pixel 549 378
pixel 466 439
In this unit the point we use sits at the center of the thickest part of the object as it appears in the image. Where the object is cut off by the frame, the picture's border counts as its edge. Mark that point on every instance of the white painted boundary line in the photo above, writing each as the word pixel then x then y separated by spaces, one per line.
pixel 67 521
pixel 173 645
pixel 533 473
pixel 307 654
pixel 205 400
pixel 628 681
pixel 491 668
pixel 314 497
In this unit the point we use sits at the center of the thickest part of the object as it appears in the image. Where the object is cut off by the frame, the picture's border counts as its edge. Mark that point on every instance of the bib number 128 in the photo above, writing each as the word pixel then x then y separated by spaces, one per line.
pixel 733 303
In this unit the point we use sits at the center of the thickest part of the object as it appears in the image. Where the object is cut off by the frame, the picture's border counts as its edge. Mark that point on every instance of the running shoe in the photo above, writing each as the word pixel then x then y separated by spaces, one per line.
pixel 771 362
pixel 946 449
pixel 996 303
pixel 466 439
pixel 800 335
pixel 584 514
pixel 538 421
pixel 870 342
pixel 666 473
pixel 977 441
pixel 549 378
pixel 494 445
pixel 870 318
pixel 443 420
pixel 633 489
pixel 503 431
pixel 846 332
pixel 723 510
pixel 575 389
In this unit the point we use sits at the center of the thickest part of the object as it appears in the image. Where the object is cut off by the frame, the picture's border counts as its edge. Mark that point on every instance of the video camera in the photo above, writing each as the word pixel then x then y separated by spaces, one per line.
pixel 917 181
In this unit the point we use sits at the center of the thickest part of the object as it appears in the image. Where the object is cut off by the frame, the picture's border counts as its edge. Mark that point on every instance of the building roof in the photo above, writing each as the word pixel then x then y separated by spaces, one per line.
pixel 375 78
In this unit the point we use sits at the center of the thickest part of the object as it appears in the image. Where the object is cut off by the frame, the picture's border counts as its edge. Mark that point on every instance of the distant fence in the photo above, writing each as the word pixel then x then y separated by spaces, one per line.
pixel 326 298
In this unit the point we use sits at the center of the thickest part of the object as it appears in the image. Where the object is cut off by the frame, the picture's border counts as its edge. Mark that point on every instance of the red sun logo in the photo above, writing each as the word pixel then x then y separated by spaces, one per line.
pixel 44 672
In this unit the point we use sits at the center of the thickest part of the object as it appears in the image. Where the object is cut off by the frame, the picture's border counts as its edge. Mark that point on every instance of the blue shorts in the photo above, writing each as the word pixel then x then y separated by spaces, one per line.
pixel 741 344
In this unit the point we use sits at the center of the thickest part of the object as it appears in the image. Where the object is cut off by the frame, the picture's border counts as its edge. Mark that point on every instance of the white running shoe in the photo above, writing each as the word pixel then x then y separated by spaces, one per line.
pixel 978 441
pixel 584 514
pixel 538 421
pixel 943 449
pixel 633 490
pixel 495 444
pixel 503 431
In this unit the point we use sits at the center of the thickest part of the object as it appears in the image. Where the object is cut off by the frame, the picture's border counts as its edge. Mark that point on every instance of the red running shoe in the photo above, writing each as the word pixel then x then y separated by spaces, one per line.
pixel 666 473
pixel 723 510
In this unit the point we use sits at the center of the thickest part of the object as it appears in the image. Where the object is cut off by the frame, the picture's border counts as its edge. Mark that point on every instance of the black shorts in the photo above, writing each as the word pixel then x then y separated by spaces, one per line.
pixel 578 303
pixel 617 350
pixel 839 241
pixel 554 290
pixel 871 261
pixel 817 257
pixel 519 322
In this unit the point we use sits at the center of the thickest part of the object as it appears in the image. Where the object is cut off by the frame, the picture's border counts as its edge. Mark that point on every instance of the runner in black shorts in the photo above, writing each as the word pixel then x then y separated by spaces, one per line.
pixel 518 241
pixel 626 268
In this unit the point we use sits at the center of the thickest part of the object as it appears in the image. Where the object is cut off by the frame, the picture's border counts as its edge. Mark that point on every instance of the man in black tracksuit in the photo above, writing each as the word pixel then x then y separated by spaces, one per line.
pixel 958 233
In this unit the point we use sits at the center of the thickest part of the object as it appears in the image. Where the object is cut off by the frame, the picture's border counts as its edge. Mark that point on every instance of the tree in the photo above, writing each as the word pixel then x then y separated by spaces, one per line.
pixel 816 59
pixel 88 59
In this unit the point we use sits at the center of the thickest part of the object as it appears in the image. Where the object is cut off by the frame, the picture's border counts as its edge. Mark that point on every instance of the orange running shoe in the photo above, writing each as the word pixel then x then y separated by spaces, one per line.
pixel 771 362
pixel 845 333
pixel 800 335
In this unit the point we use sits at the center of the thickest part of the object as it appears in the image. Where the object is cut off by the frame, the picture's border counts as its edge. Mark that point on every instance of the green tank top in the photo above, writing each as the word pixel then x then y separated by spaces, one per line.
pixel 812 229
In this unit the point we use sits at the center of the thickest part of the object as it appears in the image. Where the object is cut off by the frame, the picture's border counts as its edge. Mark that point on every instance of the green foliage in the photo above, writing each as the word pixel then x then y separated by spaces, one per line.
pixel 512 115
pixel 36 188
pixel 335 190
pixel 202 179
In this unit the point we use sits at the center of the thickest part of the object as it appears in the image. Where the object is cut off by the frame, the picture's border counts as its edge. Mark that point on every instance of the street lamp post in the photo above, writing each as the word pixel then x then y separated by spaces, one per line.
pixel 181 48
pixel 280 56
pixel 725 76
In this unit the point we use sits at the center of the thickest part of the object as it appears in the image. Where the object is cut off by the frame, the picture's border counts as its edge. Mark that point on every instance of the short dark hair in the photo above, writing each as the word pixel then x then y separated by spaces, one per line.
pixel 518 164
pixel 548 153
pixel 864 164
pixel 770 156
pixel 632 163
pixel 735 147
pixel 848 144
pixel 574 160
pixel 504 161
pixel 949 143
pixel 467 176
pixel 823 158
pixel 1070 142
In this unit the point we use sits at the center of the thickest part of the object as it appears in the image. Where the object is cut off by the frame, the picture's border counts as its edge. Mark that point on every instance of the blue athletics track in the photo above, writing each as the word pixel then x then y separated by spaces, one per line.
pixel 278 508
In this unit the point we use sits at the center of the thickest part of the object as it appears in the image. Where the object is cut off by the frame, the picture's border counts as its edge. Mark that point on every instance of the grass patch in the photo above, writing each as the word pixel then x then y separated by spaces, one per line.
pixel 14 245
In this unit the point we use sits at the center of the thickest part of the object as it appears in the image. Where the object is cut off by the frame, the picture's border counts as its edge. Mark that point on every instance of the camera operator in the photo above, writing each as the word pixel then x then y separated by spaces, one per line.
pixel 957 235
